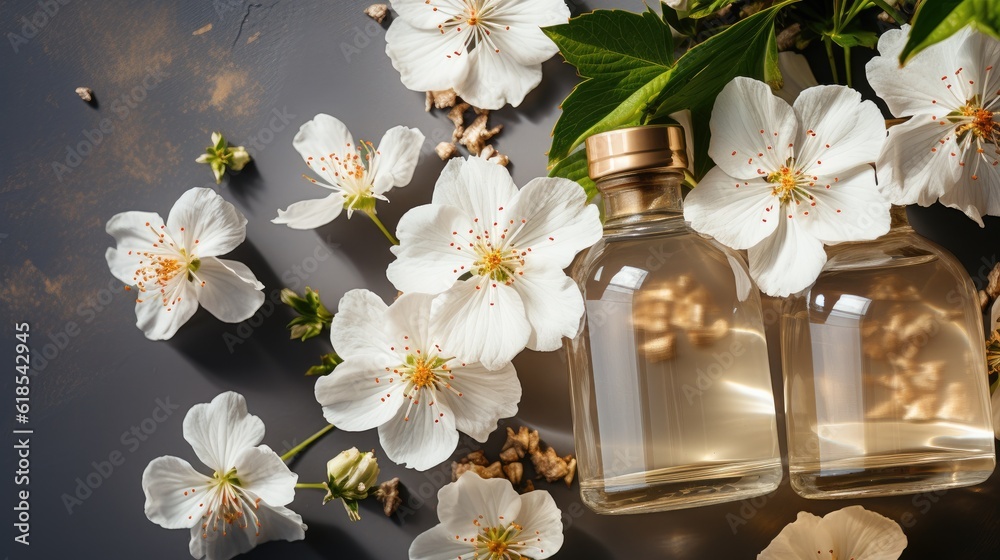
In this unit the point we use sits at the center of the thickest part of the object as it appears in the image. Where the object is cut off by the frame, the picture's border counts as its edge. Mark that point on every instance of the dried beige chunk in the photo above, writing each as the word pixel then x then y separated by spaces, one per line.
pixel 476 135
pixel 388 494
pixel 377 12
pixel 446 150
pixel 440 99
pixel 494 470
pixel 514 472
pixel 85 94
pixel 491 154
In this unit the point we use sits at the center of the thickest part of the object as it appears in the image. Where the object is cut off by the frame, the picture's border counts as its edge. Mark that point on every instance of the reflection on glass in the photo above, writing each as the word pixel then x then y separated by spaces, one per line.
pixel 885 374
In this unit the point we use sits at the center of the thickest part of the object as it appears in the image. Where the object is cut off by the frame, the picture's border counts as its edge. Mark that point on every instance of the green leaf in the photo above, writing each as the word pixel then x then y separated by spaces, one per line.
pixel 328 363
pixel 626 59
pixel 936 20
pixel 698 9
pixel 855 38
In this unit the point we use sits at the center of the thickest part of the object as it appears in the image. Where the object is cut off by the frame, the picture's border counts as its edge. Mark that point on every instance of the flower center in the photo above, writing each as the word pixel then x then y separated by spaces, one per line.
pixel 230 506
pixel 979 121
pixel 351 173
pixel 422 375
pixel 160 264
pixel 494 543
pixel 786 181
pixel 498 263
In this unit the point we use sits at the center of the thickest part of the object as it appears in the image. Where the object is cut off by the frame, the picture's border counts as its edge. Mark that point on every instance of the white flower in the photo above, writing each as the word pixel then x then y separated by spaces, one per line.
pixel 487 519
pixel 241 504
pixel 947 151
pixel 399 374
pixel 173 264
pixel 489 51
pixel 357 173
pixel 852 532
pixel 789 180
pixel 496 255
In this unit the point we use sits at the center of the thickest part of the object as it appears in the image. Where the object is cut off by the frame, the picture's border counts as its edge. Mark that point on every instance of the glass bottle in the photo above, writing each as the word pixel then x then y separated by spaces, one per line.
pixel 672 399
pixel 885 383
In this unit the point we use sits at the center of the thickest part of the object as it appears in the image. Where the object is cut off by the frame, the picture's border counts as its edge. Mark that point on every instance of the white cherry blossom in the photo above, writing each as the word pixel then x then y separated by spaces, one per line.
pixel 358 173
pixel 790 179
pixel 174 265
pixel 400 375
pixel 496 255
pixel 242 503
pixel 852 532
pixel 947 150
pixel 489 51
pixel 486 519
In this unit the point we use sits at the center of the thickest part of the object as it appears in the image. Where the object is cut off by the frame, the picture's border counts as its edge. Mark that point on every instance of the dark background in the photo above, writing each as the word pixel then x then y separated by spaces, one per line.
pixel 258 61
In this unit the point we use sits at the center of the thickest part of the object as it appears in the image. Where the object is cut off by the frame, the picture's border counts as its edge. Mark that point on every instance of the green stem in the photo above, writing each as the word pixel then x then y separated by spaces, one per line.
pixel 381 226
pixel 829 55
pixel 847 66
pixel 311 486
pixel 298 448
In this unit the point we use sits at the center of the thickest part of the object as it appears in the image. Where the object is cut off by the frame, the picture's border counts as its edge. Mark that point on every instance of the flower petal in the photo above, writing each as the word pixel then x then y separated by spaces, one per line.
pixel 426 15
pixel 844 131
pixel 231 292
pixel 486 320
pixel 788 261
pixel 407 322
pixel 159 315
pixel 421 435
pixel 852 209
pixel 542 525
pixel 397 156
pixel 859 533
pixel 800 539
pixel 433 249
pixel 132 234
pixel 276 524
pixel 497 78
pixel 427 60
pixel 310 214
pixel 557 221
pixel 916 165
pixel 552 302
pixel 173 491
pixel 483 398
pixel 922 86
pixel 262 472
pixel 358 326
pixel 205 224
pixel 751 129
pixel 476 186
pixel 515 28
pixel 492 501
pixel 360 394
pixel 222 429
pixel 438 544
pixel 980 196
pixel 323 137
pixel 739 214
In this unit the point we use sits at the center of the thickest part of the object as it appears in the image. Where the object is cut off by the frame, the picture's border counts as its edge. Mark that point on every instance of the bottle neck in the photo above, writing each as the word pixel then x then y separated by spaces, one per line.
pixel 637 198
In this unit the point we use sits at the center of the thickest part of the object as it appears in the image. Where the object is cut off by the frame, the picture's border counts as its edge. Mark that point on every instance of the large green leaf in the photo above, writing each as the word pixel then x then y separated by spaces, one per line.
pixel 625 58
pixel 936 20
pixel 631 79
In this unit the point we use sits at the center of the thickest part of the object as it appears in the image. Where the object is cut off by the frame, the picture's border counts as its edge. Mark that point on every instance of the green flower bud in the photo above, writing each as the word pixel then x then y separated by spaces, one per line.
pixel 220 156
pixel 350 477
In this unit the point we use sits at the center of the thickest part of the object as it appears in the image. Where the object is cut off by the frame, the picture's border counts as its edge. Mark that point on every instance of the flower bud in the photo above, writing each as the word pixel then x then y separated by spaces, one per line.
pixel 350 476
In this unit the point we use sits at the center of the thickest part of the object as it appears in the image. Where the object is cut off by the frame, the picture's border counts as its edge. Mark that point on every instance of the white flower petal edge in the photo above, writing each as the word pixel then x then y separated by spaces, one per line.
pixel 357 172
pixel 790 179
pixel 172 264
pixel 241 504
pixel 514 243
pixel 852 532
pixel 480 517
pixel 489 51
pixel 948 151
pixel 400 375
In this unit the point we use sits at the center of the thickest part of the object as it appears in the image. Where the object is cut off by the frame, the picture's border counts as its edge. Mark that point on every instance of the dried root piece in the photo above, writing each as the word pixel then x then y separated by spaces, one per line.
pixel 519 444
pixel 477 134
pixel 443 99
pixel 529 486
pixel 993 286
pixel 492 471
pixel 552 467
pixel 377 12
pixel 984 299
pixel 514 472
pixel 457 117
pixel 388 494
pixel 446 150
pixel 491 154
pixel 85 94
pixel 476 458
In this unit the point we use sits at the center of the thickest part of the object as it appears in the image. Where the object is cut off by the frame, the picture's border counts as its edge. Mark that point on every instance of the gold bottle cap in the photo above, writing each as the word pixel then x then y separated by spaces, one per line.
pixel 636 148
